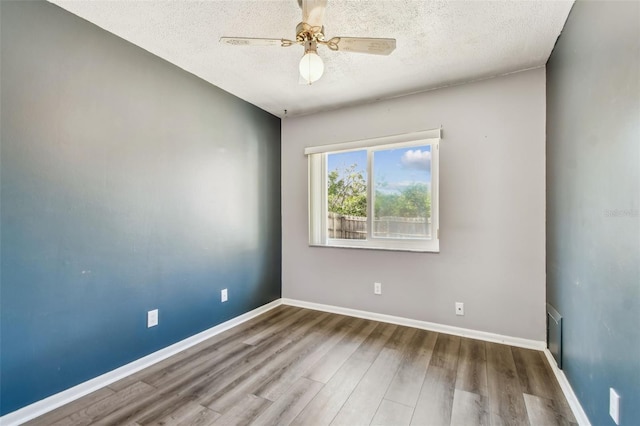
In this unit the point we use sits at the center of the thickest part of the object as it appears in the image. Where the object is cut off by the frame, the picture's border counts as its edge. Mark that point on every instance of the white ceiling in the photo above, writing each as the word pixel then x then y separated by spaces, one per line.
pixel 439 43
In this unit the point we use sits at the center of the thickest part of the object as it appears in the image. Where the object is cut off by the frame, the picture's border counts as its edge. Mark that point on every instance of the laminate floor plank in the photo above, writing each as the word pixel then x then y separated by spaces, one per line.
pixel 446 352
pixel 546 412
pixel 244 412
pixel 175 415
pixel 89 414
pixel 370 348
pixel 214 374
pixel 220 379
pixel 472 367
pixel 537 378
pixel 325 405
pixel 362 404
pixel 237 373
pixel 193 386
pixel 164 412
pixel 532 373
pixel 391 413
pixel 250 381
pixel 248 328
pixel 278 383
pixel 400 339
pixel 134 410
pixel 227 349
pixel 264 372
pixel 201 349
pixel 283 411
pixel 469 409
pixel 138 376
pixel 71 408
pixel 205 417
pixel 435 402
pixel 506 402
pixel 220 349
pixel 327 366
pixel 277 327
pixel 406 384
pixel 196 385
pixel 209 363
pixel 226 359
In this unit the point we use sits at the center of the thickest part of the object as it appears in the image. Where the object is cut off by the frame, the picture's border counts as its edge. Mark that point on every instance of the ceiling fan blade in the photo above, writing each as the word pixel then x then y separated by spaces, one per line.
pixel 249 41
pixel 374 46
pixel 313 12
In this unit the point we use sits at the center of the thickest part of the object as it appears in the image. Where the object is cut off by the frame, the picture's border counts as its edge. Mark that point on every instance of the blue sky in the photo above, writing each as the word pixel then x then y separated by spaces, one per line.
pixel 394 169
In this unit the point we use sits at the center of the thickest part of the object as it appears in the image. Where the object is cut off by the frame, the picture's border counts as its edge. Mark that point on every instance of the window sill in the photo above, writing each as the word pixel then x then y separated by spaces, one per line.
pixel 404 249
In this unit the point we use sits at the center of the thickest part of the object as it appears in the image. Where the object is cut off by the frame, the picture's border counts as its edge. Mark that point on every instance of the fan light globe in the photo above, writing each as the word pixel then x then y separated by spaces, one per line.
pixel 311 67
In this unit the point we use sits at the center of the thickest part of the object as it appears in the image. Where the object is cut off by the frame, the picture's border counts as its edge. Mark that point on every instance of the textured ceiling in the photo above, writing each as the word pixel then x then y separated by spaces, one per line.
pixel 438 43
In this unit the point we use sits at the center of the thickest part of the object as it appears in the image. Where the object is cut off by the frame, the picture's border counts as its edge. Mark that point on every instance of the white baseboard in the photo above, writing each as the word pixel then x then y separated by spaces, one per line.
pixel 54 401
pixel 578 412
pixel 447 329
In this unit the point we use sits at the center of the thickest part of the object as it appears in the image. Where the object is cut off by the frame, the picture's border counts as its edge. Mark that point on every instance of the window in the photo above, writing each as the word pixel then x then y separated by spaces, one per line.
pixel 377 193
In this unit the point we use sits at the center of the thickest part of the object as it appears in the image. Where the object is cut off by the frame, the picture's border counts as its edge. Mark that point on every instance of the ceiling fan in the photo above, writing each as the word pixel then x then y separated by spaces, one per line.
pixel 310 34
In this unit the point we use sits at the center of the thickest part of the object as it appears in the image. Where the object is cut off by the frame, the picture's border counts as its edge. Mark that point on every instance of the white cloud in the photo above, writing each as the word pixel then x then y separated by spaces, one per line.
pixel 416 159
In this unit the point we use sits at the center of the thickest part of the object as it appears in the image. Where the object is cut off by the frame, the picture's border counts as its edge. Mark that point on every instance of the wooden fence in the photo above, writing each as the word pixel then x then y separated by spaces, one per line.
pixel 355 227
pixel 347 227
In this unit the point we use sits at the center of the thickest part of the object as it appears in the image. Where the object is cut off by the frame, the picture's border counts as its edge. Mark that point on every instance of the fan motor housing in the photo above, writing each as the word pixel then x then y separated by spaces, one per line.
pixel 306 32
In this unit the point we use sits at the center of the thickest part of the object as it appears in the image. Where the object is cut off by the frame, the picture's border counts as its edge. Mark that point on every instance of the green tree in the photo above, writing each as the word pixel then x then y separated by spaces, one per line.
pixel 347 195
pixel 347 192
pixel 412 201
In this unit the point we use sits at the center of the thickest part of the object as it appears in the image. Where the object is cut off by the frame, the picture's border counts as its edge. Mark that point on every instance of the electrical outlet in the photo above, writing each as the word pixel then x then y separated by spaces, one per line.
pixel 377 288
pixel 614 405
pixel 459 308
pixel 152 318
pixel 224 295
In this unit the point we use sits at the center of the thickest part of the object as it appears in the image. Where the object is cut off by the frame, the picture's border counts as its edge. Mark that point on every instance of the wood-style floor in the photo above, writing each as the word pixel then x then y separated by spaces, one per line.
pixel 304 367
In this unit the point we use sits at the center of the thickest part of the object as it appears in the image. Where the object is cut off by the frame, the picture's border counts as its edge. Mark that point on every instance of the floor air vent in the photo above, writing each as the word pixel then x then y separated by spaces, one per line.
pixel 554 334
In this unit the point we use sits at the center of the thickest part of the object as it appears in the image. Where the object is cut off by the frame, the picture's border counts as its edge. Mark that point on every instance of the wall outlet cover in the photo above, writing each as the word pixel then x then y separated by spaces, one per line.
pixel 224 295
pixel 152 318
pixel 459 308
pixel 377 288
pixel 614 405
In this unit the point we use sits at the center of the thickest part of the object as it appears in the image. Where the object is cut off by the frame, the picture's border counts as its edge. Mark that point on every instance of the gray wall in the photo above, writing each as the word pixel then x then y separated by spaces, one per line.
pixel 492 210
pixel 127 185
pixel 593 203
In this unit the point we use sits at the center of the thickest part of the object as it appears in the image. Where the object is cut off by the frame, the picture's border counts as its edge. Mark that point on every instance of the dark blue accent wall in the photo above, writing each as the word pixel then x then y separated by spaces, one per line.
pixel 127 184
pixel 593 203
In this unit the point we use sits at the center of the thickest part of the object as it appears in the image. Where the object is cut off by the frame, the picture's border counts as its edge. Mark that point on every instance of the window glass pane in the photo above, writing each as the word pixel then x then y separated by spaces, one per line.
pixel 402 182
pixel 347 195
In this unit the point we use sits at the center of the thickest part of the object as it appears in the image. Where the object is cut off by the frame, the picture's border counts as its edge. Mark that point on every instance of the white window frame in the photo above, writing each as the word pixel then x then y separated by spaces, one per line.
pixel 317 169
